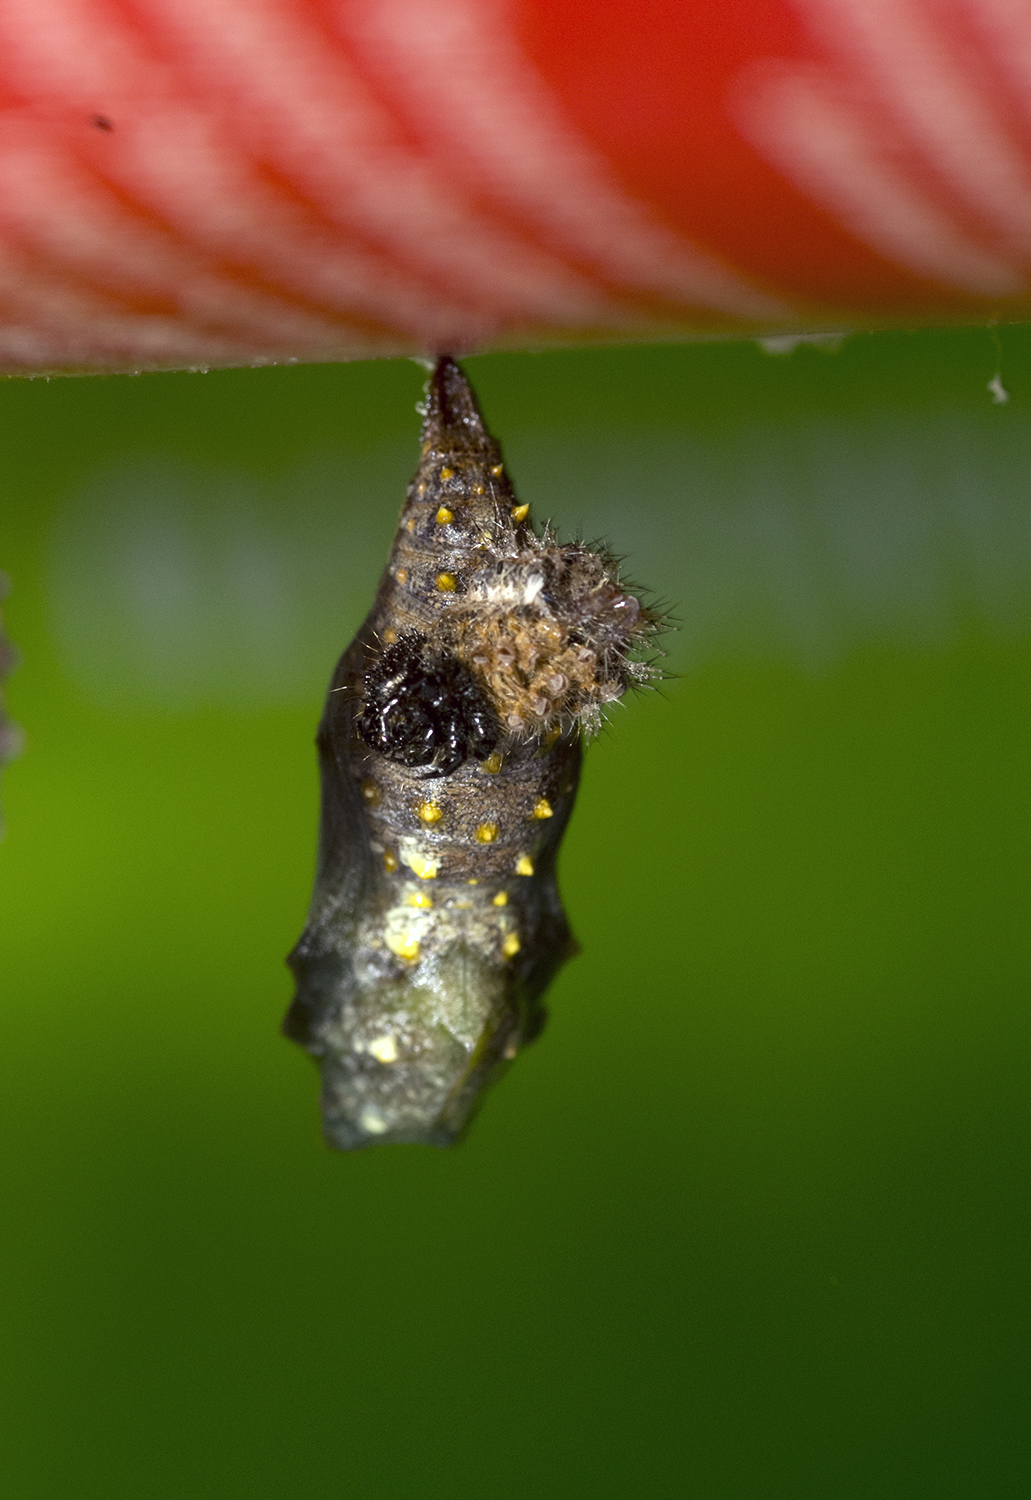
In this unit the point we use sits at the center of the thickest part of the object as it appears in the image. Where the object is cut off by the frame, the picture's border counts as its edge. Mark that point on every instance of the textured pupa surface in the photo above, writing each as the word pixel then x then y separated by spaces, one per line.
pixel 450 752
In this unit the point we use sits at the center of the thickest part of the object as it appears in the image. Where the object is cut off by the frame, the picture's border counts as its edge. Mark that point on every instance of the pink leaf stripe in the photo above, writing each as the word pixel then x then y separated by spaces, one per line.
pixel 214 182
pixel 914 133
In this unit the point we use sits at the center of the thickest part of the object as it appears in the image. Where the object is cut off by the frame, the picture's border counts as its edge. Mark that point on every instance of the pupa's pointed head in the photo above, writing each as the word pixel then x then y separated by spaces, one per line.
pixel 452 420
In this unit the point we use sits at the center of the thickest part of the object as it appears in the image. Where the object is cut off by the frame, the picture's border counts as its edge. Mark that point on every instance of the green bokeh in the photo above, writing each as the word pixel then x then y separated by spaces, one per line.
pixel 752 1219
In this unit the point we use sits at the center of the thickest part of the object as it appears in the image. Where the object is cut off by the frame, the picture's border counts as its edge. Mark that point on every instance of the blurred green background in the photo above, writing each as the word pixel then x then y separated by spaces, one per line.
pixel 752 1219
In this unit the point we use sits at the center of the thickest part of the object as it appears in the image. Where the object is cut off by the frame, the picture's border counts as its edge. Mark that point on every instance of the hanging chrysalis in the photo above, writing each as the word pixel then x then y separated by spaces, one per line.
pixel 450 753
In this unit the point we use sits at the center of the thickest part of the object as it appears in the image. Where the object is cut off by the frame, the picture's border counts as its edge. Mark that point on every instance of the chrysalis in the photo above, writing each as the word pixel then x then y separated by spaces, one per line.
pixel 450 753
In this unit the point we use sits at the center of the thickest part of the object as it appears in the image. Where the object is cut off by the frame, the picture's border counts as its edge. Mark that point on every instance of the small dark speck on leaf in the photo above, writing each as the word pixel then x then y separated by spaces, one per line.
pixel 101 122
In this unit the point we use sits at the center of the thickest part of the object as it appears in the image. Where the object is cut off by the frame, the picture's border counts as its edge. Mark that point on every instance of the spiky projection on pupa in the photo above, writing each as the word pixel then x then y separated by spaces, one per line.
pixel 450 753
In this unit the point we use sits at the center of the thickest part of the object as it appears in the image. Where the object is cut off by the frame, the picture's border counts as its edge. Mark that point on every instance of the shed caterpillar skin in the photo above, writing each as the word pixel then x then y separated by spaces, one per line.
pixel 450 753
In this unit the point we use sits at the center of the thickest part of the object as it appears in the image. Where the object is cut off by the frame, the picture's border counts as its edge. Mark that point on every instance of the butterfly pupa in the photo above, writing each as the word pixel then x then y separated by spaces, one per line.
pixel 450 753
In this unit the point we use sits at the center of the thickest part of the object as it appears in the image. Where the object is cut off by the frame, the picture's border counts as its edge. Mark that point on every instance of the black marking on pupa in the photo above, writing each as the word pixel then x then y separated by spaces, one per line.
pixel 423 707
pixel 450 753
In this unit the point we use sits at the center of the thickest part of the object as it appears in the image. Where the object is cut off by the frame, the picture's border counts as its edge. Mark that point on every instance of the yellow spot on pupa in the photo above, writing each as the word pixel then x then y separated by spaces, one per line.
pixel 421 489
pixel 383 1049
pixel 429 812
pixel 524 865
pixel 370 792
pixel 447 583
pixel 389 862
pixel 497 470
pixel 410 525
pixel 501 899
pixel 447 473
pixel 419 899
pixel 444 516
pixel 472 882
pixel 511 946
pixel 486 833
pixel 520 512
pixel 389 636
pixel 479 489
pixel 372 1122
pixel 492 765
pixel 403 944
pixel 542 808
pixel 401 575
pixel 423 865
